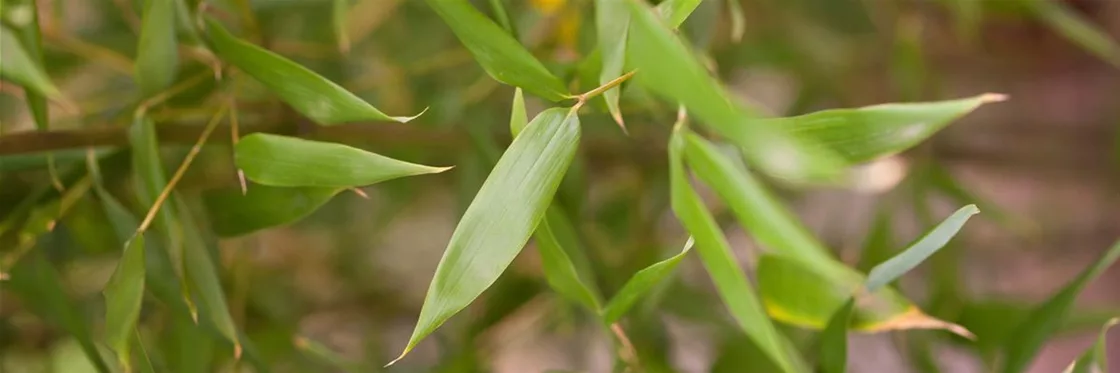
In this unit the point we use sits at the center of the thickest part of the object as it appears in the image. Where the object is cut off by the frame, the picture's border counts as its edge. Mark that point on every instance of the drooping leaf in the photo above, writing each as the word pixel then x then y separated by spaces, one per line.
pixel 1030 335
pixel 150 180
pixel 612 23
pixel 202 273
pixel 497 51
pixel 17 66
pixel 641 283
pixel 674 12
pixel 501 218
pixel 293 162
pixel 157 54
pixel 668 68
pixel 558 268
pixel 834 340
pixel 1094 359
pixel 715 253
pixel 932 241
pixel 233 214
pixel 1080 31
pixel 312 95
pixel 38 286
pixel 863 134
pixel 124 295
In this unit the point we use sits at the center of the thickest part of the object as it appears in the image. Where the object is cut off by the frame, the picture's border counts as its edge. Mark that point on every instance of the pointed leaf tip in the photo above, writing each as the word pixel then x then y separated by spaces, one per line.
pixel 409 119
pixel 988 98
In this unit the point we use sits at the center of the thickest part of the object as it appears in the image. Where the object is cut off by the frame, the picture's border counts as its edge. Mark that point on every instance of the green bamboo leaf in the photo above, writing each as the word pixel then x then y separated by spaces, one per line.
pixel 312 95
pixel 497 51
pixel 502 217
pixel 124 295
pixel 834 340
pixel 1077 29
pixel 558 268
pixel 38 286
pixel 503 17
pixel 157 53
pixel 612 23
pixel 738 21
pixel 150 180
pixel 518 118
pixel 145 360
pixel 340 9
pixel 674 12
pixel 202 273
pixel 26 26
pixel 327 356
pixel 668 68
pixel 640 284
pixel 293 162
pixel 866 133
pixel 1028 338
pixel 19 67
pixel 933 240
pixel 720 262
pixel 1094 359
pixel 234 214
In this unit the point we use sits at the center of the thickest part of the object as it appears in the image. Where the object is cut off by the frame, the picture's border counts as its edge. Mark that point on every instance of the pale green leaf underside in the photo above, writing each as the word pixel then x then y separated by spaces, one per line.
pixel 641 283
pixel 932 241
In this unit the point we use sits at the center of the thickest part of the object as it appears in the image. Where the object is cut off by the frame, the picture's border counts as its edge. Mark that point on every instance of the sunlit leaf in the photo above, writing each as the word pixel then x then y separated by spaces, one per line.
pixel 497 51
pixel 1094 359
pixel 312 95
pixel 668 68
pixel 124 295
pixel 1028 338
pixel 1077 29
pixel 501 218
pixel 157 55
pixel 612 23
pixel 932 241
pixel 720 262
pixel 834 340
pixel 17 66
pixel 28 33
pixel 870 132
pixel 641 283
pixel 674 12
pixel 289 161
pixel 233 214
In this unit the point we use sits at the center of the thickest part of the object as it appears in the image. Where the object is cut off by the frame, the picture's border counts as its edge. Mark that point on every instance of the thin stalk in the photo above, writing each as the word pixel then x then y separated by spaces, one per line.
pixel 170 92
pixel 606 86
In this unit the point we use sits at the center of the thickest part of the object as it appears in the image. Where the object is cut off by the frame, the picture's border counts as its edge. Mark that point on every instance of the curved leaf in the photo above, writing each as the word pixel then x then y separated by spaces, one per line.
pixel 668 68
pixel 641 283
pixel 1029 337
pixel 157 54
pixel 612 24
pixel 518 118
pixel 17 66
pixel 124 295
pixel 501 218
pixel 293 162
pixel 558 268
pixel 674 12
pixel 863 134
pixel 234 214
pixel 933 240
pixel 1094 359
pixel 1077 29
pixel 312 95
pixel 497 51
pixel 715 253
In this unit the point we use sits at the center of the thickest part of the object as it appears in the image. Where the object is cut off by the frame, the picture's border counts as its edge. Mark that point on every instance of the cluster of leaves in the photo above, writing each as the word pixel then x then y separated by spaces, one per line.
pixel 169 250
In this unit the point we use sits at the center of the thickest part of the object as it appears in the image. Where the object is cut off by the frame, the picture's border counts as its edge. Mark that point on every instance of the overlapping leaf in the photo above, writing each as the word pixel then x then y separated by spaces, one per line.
pixel 834 340
pixel 501 218
pixel 19 67
pixel 288 161
pixel 123 297
pixel 233 214
pixel 202 273
pixel 28 33
pixel 497 51
pixel 674 12
pixel 612 23
pixel 558 268
pixel 157 54
pixel 641 283
pixel 309 93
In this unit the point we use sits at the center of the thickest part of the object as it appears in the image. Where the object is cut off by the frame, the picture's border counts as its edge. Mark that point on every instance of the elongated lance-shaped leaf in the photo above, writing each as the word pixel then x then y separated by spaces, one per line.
pixel 157 53
pixel 863 134
pixel 27 29
pixel 497 51
pixel 674 12
pixel 720 262
pixel 558 268
pixel 668 68
pixel 233 214
pixel 641 283
pixel 202 272
pixel 340 10
pixel 518 118
pixel 1094 359
pixel 39 287
pixel 293 162
pixel 932 241
pixel 312 95
pixel 501 218
pixel 502 16
pixel 834 341
pixel 1029 337
pixel 612 24
pixel 124 295
pixel 17 66
pixel 150 180
pixel 1080 31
